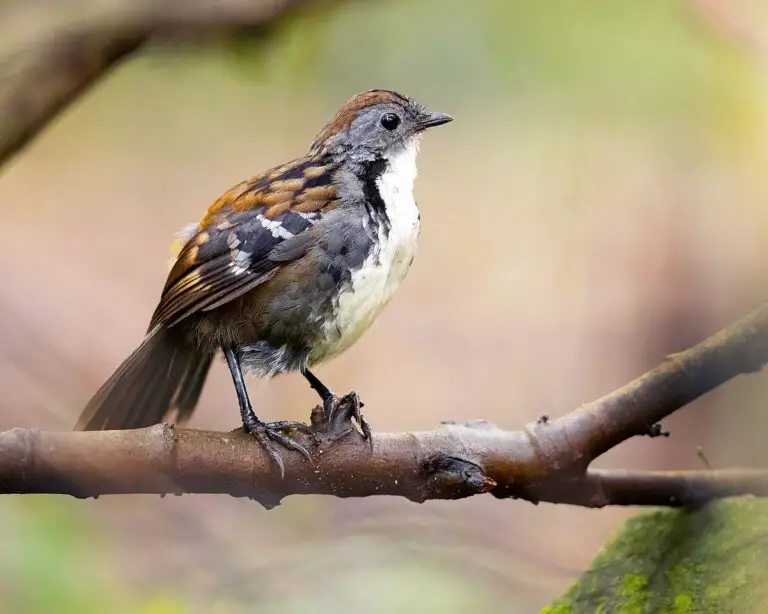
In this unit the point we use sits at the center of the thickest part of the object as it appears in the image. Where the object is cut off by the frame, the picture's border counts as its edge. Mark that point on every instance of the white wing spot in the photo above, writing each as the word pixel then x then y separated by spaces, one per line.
pixel 275 227
pixel 310 216
pixel 241 260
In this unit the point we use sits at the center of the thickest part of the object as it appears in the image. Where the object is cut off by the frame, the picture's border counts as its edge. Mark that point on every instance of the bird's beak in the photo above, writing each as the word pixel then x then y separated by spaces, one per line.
pixel 430 120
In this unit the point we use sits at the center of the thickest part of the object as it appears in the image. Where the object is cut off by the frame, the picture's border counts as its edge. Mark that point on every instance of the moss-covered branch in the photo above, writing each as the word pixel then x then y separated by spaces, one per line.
pixel 711 559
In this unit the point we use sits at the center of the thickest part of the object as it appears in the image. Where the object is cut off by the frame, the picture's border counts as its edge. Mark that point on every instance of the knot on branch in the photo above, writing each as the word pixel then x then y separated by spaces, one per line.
pixel 449 477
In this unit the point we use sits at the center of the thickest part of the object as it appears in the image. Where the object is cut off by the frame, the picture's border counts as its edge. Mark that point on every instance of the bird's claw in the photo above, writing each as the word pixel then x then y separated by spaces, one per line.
pixel 338 412
pixel 268 432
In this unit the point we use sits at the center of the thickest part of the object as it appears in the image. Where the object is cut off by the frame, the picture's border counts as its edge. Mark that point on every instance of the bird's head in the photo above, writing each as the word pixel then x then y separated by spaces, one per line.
pixel 378 124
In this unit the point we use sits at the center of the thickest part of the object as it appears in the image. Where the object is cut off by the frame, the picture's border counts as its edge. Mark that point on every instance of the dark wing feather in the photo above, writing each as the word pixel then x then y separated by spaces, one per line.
pixel 245 237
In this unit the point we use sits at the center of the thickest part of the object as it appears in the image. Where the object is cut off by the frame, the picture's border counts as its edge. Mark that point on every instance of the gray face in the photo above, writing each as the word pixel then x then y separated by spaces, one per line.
pixel 381 129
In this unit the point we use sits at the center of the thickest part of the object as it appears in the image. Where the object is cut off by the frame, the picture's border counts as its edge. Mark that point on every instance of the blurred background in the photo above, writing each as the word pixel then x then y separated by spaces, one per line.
pixel 599 202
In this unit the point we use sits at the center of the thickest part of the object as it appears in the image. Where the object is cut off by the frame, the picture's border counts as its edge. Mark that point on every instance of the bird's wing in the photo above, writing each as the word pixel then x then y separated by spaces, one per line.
pixel 245 237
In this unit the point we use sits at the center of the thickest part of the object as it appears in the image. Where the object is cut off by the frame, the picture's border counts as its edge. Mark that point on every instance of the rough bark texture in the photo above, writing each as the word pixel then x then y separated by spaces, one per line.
pixel 711 559
pixel 453 462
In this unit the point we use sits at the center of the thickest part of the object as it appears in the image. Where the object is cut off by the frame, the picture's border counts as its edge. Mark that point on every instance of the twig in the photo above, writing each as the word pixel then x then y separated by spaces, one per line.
pixel 602 487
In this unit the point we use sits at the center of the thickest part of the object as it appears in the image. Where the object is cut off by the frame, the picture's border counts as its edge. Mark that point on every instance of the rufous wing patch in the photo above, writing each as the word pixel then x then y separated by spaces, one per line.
pixel 229 251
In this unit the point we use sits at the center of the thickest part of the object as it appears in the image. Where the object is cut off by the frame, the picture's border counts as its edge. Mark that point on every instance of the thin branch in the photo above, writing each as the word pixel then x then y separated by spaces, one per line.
pixel 634 409
pixel 603 487
pixel 41 80
pixel 545 462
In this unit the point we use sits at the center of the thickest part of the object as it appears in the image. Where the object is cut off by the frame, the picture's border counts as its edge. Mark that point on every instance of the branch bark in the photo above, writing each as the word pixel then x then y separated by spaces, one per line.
pixel 455 461
pixel 634 409
pixel 602 487
pixel 39 81
pixel 547 461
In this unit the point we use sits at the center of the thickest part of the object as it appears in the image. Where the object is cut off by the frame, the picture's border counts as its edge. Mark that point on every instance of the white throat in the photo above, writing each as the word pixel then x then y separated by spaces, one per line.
pixel 401 172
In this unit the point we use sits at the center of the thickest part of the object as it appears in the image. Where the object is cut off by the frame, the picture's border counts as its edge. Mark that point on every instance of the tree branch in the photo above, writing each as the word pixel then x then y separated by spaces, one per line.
pixel 41 80
pixel 547 461
pixel 419 466
pixel 634 409
pixel 602 487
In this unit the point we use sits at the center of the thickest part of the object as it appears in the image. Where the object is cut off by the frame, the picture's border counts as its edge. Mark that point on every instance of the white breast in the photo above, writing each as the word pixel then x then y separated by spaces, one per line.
pixel 385 268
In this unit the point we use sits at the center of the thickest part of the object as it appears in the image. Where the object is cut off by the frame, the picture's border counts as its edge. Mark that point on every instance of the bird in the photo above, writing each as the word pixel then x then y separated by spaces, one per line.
pixel 284 271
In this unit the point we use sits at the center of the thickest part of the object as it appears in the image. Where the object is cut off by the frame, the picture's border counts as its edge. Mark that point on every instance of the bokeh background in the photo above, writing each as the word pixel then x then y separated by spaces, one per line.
pixel 599 202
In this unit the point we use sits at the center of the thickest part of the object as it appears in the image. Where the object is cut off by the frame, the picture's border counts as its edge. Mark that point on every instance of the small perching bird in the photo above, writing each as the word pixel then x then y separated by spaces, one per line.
pixel 285 270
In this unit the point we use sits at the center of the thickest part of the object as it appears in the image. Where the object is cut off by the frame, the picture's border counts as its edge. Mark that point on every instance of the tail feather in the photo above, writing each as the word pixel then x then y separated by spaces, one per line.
pixel 188 392
pixel 161 375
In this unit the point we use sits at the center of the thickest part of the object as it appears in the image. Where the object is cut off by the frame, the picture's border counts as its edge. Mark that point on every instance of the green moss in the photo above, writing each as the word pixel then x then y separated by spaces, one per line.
pixel 633 589
pixel 712 559
pixel 682 603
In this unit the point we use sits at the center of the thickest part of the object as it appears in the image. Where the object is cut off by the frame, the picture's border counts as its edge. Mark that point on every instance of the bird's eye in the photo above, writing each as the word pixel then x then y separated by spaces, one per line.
pixel 390 121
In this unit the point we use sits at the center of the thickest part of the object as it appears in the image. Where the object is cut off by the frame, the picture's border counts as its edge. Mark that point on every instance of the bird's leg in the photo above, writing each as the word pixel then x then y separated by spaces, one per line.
pixel 264 432
pixel 350 403
pixel 326 394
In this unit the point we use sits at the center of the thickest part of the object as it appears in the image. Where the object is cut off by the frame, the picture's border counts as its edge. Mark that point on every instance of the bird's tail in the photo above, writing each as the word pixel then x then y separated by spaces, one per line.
pixel 164 373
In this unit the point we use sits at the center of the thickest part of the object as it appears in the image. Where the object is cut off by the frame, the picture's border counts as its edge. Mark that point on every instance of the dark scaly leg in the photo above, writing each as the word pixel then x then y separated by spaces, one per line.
pixel 262 431
pixel 331 402
pixel 326 394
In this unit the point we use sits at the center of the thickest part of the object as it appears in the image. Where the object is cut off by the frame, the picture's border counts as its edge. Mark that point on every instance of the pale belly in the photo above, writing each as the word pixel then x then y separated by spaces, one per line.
pixel 371 288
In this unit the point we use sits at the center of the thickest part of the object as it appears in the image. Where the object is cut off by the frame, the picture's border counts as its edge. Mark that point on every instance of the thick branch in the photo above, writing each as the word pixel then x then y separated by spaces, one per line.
pixel 41 80
pixel 452 462
pixel 547 461
pixel 162 459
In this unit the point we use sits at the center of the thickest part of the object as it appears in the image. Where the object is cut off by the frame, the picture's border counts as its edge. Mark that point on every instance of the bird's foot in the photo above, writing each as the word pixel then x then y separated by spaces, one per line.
pixel 278 432
pixel 336 414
